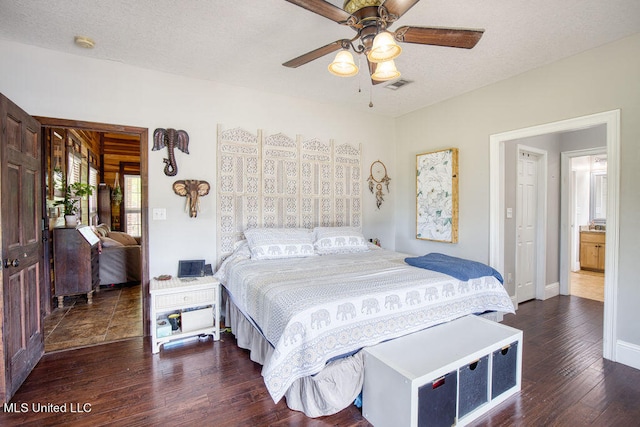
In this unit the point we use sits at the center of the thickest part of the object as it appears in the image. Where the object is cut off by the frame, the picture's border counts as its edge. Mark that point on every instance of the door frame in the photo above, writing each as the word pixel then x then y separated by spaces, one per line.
pixel 143 134
pixel 567 203
pixel 496 206
pixel 540 267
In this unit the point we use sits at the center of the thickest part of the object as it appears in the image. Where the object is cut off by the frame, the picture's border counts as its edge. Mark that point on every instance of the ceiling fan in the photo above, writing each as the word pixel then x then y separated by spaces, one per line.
pixel 371 20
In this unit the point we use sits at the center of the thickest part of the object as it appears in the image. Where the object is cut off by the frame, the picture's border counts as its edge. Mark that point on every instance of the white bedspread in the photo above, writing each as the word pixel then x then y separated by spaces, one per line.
pixel 318 308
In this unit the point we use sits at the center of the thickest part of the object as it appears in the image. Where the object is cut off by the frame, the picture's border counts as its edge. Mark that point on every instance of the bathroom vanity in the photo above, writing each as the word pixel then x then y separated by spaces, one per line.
pixel 592 250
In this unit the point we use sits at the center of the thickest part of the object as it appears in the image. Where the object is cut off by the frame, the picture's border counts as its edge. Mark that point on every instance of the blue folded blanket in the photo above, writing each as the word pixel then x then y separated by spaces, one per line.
pixel 461 269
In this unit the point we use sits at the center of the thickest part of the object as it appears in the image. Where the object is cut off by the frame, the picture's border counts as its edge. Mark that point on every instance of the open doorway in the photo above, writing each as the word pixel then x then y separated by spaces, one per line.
pixel 611 122
pixel 587 176
pixel 117 307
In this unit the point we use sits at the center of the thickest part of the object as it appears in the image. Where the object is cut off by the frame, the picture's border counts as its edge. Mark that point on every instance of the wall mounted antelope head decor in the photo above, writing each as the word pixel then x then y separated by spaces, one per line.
pixel 171 139
pixel 192 189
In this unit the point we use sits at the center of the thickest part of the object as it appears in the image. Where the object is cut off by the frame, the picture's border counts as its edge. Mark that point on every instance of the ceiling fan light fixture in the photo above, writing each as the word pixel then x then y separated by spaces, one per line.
pixel 384 48
pixel 343 65
pixel 385 71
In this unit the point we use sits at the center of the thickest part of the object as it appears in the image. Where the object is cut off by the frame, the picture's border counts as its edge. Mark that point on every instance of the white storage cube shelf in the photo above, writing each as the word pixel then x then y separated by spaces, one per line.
pixel 446 375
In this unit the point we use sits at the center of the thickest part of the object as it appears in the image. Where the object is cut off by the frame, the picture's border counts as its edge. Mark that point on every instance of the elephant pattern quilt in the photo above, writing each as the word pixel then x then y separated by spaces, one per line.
pixel 316 309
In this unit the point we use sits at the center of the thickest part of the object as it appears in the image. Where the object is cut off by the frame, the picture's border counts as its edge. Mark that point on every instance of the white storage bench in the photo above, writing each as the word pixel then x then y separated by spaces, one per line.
pixel 446 375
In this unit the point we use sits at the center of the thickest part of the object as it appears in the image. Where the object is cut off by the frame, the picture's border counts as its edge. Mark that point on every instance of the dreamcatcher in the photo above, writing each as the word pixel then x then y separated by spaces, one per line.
pixel 377 177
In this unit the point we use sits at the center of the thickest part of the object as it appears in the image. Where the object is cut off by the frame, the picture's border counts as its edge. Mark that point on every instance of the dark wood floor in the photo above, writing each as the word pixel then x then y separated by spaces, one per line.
pixel 565 382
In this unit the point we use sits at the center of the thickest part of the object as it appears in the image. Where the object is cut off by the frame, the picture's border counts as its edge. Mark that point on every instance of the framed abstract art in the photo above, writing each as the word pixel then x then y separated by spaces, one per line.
pixel 437 195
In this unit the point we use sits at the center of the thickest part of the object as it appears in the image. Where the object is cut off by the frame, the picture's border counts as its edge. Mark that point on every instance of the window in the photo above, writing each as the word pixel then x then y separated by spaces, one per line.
pixel 93 199
pixel 133 205
pixel 75 164
pixel 75 174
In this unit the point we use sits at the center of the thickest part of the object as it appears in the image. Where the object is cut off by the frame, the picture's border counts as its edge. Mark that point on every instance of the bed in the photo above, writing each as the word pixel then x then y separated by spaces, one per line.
pixel 307 295
pixel 304 315
pixel 120 257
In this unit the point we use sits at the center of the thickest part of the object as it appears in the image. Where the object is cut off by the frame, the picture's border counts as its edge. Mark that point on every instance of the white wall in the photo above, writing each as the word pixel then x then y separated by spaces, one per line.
pixel 601 79
pixel 582 195
pixel 51 84
pixel 582 198
pixel 606 78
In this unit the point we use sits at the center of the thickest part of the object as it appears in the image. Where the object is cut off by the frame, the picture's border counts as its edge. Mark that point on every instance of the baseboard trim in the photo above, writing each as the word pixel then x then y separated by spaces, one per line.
pixel 628 354
pixel 551 290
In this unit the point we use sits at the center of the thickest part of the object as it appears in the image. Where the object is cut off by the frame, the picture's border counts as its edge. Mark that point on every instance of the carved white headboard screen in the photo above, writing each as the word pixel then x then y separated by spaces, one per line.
pixel 276 181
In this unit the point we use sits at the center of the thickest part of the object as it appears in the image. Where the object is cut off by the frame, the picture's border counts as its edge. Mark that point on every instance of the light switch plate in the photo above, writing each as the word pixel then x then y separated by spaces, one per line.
pixel 159 214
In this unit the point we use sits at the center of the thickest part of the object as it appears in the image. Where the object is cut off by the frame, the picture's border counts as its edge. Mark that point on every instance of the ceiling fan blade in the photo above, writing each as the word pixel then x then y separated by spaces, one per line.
pixel 398 8
pixel 449 37
pixel 323 8
pixel 314 54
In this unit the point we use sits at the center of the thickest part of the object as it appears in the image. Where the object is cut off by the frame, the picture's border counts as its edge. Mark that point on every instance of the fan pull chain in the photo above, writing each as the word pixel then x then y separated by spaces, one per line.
pixel 371 97
pixel 359 79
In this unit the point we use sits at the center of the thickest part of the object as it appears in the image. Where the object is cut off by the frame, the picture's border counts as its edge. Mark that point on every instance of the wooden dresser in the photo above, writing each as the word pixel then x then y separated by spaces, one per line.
pixel 75 264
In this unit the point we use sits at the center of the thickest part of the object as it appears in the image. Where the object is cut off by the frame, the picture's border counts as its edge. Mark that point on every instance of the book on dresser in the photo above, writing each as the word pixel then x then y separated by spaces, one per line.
pixel 76 258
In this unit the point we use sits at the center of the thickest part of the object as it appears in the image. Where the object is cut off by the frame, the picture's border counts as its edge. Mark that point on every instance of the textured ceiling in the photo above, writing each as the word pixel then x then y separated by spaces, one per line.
pixel 244 43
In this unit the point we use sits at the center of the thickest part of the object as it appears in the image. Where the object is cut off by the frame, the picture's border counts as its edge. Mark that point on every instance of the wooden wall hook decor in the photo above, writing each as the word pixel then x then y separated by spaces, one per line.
pixel 171 139
pixel 192 189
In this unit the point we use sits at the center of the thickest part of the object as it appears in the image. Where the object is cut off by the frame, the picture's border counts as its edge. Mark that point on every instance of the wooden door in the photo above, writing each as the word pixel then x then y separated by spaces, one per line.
pixel 22 302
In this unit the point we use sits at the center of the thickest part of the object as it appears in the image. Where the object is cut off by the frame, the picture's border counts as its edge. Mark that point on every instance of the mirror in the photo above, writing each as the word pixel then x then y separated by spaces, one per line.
pixel 598 208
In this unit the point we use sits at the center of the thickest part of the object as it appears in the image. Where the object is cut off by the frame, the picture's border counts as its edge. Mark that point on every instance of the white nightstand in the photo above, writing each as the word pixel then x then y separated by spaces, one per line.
pixel 196 299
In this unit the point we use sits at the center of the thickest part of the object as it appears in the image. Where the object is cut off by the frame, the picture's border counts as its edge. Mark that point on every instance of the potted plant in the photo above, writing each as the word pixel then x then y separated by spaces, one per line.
pixel 116 195
pixel 72 195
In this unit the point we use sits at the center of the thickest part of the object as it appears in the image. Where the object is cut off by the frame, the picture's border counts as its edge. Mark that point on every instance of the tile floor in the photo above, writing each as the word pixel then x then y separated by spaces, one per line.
pixel 116 314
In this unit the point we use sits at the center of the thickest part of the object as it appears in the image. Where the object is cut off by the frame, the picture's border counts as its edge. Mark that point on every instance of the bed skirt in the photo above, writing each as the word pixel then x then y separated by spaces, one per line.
pixel 325 393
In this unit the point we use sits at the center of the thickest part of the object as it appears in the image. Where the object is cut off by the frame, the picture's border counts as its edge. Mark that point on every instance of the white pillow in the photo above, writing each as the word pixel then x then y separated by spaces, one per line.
pixel 339 240
pixel 276 243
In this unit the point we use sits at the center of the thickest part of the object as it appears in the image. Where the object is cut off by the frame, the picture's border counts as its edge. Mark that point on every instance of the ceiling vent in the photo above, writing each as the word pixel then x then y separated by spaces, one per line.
pixel 398 84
